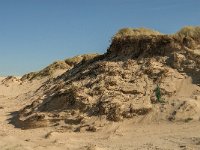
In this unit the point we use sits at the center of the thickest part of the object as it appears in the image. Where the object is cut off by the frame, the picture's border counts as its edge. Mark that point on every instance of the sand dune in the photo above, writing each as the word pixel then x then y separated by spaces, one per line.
pixel 143 93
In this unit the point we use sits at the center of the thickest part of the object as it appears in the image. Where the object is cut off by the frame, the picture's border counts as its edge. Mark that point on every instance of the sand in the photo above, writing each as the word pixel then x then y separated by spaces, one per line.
pixel 116 136
pixel 109 101
pixel 124 135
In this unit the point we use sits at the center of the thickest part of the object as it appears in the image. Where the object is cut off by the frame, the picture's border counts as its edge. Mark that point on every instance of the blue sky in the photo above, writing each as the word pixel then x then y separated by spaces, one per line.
pixel 34 33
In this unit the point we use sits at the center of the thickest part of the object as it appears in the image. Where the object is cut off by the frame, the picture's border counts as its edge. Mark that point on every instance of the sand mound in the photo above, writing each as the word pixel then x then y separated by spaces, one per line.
pixel 145 78
pixel 58 67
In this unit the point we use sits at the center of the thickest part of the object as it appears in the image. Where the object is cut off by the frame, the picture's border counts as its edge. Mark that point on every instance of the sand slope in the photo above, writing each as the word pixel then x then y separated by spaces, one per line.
pixel 116 136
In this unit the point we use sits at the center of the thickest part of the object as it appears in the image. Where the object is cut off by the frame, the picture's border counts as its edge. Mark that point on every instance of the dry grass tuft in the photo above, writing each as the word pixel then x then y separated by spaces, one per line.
pixel 77 59
pixel 125 32
pixel 189 31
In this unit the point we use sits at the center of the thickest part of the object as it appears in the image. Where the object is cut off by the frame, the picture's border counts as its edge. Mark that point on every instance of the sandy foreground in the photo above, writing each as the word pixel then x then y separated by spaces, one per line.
pixel 117 136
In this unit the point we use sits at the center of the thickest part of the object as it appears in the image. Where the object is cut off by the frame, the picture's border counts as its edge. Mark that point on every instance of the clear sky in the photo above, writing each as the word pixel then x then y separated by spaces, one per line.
pixel 34 33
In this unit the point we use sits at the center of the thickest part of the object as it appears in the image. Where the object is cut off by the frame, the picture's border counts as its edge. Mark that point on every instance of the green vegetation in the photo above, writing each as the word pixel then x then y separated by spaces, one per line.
pixel 158 94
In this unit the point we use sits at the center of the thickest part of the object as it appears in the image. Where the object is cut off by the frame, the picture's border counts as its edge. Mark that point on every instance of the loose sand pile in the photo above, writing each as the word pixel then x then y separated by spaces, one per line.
pixel 123 84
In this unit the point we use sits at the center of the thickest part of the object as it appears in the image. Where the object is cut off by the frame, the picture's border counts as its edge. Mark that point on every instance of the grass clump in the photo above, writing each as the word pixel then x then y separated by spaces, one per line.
pixel 190 31
pixel 77 59
pixel 124 32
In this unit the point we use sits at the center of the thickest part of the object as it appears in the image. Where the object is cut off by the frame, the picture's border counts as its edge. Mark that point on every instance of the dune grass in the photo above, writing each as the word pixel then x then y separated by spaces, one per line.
pixel 125 32
pixel 189 31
